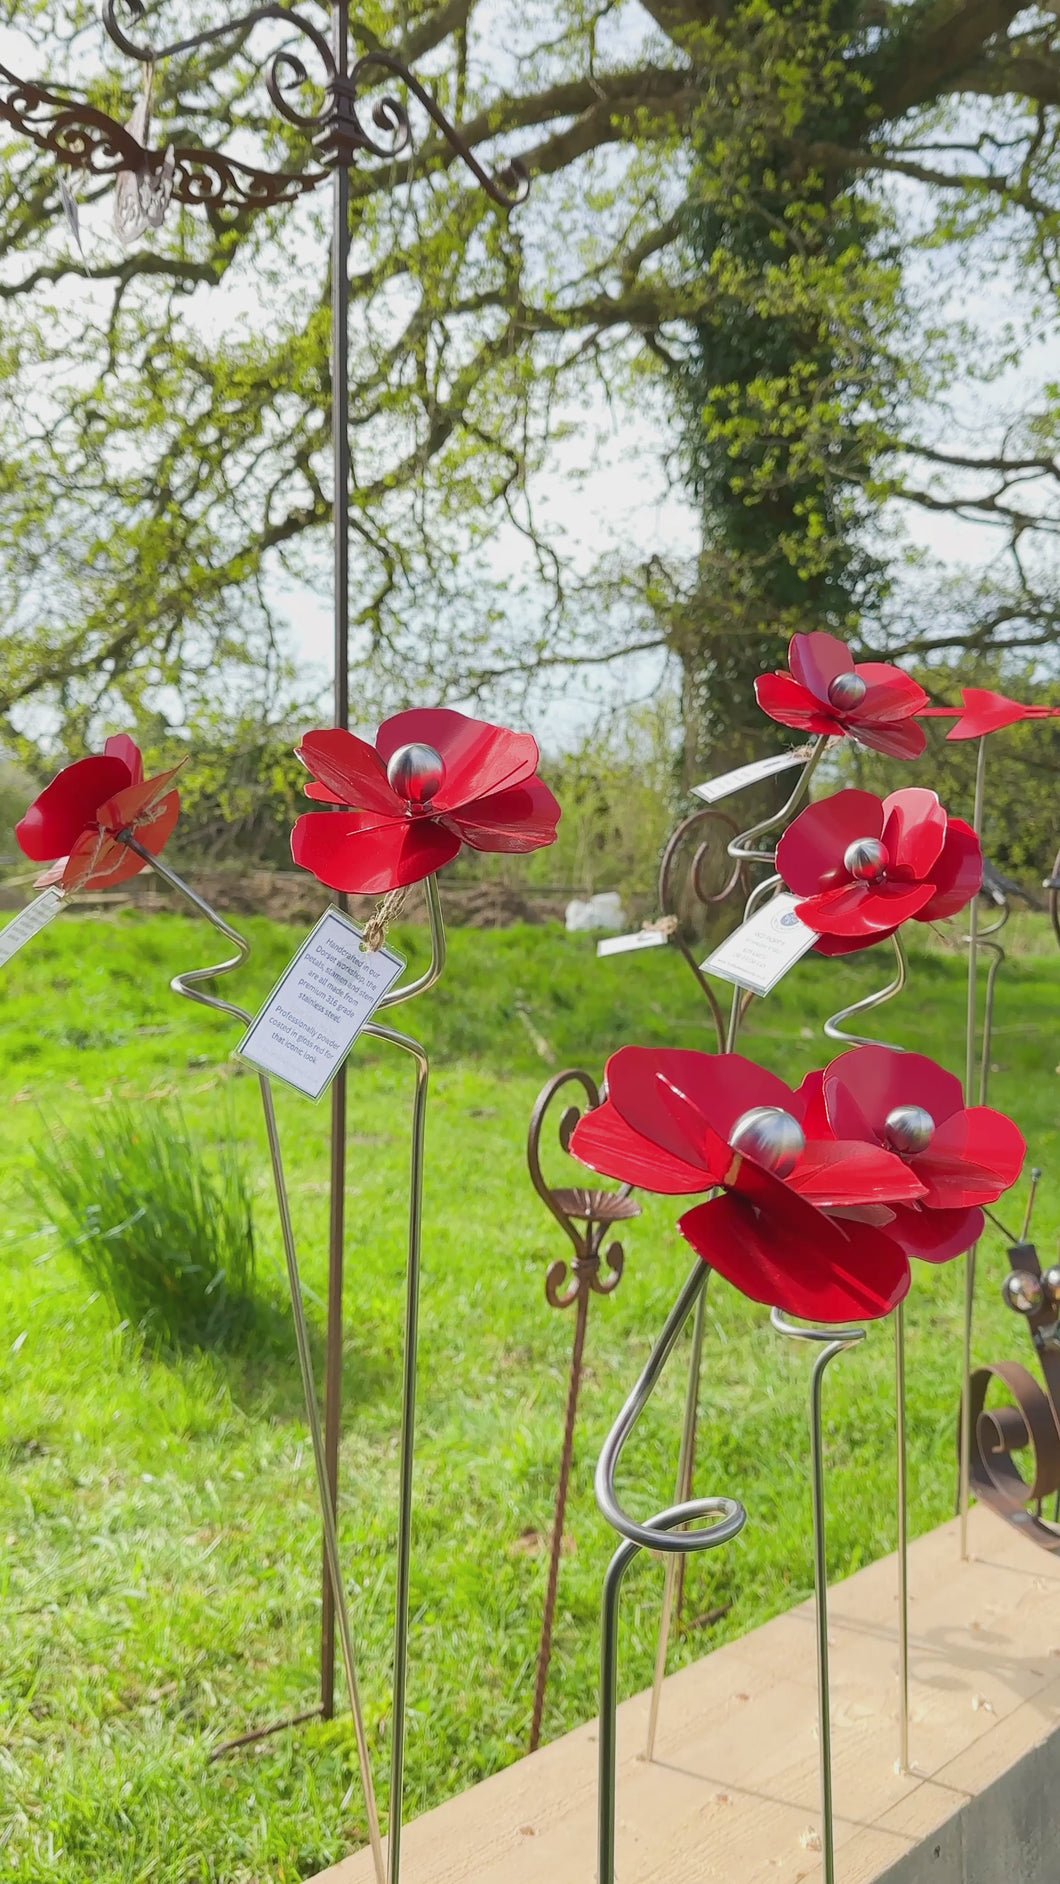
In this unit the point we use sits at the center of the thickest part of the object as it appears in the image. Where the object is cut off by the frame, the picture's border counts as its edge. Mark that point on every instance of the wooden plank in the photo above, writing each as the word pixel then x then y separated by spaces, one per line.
pixel 732 1796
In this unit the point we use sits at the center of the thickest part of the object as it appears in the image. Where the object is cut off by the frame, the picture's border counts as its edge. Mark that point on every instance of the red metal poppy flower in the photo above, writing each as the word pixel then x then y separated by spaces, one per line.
pixel 434 780
pixel 679 1122
pixel 964 1158
pixel 78 816
pixel 983 712
pixel 865 865
pixel 826 693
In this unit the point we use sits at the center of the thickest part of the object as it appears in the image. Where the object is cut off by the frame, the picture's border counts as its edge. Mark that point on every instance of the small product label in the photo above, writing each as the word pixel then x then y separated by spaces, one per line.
pixel 29 922
pixel 624 944
pixel 760 952
pixel 319 1006
pixel 727 783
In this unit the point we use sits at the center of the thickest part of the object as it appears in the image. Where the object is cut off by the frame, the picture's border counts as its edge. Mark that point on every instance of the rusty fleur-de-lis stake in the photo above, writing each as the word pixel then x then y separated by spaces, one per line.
pixel 586 1216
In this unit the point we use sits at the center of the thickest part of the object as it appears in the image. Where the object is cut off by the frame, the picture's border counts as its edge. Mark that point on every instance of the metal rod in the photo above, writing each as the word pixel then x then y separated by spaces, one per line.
pixel 340 454
pixel 544 1653
pixel 964 1487
pixel 903 1539
pixel 331 1542
pixel 738 847
pixel 833 1029
pixel 660 1533
pixel 408 1444
pixel 262 1733
pixel 836 1341
pixel 685 1471
pixel 189 984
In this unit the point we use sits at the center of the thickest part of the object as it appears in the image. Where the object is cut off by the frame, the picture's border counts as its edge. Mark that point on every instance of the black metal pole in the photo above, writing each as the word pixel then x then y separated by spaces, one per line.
pixel 340 445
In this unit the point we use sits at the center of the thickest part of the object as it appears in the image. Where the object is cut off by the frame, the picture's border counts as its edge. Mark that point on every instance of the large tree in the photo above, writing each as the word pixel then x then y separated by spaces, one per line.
pixel 732 207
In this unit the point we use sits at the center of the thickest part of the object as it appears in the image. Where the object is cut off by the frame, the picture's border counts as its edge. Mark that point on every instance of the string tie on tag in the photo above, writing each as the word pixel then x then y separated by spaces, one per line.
pixel 389 907
pixel 664 925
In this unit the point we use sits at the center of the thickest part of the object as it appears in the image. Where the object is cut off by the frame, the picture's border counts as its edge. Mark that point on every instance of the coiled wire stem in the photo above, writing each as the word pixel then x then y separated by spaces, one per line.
pixel 833 1027
pixel 833 1341
pixel 190 985
pixel 965 1476
pixel 660 1533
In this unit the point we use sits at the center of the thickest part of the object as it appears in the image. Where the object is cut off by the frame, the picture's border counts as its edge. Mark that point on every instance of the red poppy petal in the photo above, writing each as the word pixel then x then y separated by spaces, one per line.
pixel 55 820
pixel 719 1086
pixel 897 739
pixel 521 818
pixel 853 1171
pixel 973 1157
pixel 370 855
pixel 864 908
pixel 349 766
pixel 861 1278
pixel 816 659
pixel 322 794
pixel 813 1114
pixel 914 831
pixel 876 1079
pixel 810 853
pixel 116 863
pixel 479 758
pixel 985 712
pixel 604 1141
pixel 935 1236
pixel 784 700
pixel 850 944
pixel 958 873
pixel 892 694
pixel 138 804
pixel 120 746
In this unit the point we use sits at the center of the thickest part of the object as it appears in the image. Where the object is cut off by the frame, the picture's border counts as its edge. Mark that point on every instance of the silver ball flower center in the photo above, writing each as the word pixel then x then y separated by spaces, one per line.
pixel 1023 1291
pixel 909 1129
pixel 866 859
pixel 846 691
pixel 416 772
pixel 771 1137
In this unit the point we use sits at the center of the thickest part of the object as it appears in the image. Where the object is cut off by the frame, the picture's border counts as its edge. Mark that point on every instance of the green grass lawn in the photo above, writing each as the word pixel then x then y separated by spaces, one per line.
pixel 160 1542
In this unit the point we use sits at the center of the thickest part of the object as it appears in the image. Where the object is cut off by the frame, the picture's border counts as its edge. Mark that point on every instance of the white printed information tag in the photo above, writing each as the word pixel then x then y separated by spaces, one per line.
pixel 728 782
pixel 319 1006
pixel 760 952
pixel 624 944
pixel 29 922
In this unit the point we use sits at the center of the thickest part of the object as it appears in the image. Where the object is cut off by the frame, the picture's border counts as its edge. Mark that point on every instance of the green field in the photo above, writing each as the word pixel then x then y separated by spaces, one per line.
pixel 160 1544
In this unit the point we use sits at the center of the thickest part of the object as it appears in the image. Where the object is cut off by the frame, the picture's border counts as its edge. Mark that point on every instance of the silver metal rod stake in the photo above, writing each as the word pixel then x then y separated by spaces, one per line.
pixel 836 1341
pixel 654 1535
pixel 964 1491
pixel 685 1470
pixel 903 1539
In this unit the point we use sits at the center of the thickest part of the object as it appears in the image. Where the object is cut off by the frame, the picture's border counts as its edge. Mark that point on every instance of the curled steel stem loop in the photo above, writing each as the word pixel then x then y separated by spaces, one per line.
pixel 663 1532
pixel 739 846
pixel 833 1028
pixel 699 821
pixel 831 1342
pixel 189 984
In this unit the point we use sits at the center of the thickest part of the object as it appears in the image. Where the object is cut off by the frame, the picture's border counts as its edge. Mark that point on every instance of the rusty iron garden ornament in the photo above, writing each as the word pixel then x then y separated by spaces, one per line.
pixel 585 1216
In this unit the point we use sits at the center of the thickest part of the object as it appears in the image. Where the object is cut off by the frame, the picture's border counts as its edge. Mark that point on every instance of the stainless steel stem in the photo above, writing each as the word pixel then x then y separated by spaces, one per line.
pixel 833 1029
pixel 408 1444
pixel 189 984
pixel 660 1533
pixel 964 1489
pixel 903 1539
pixel 738 847
pixel 835 1341
pixel 685 1468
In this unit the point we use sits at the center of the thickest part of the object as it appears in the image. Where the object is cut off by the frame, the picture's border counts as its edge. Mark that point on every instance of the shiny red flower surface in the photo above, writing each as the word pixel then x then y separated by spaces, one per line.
pixel 433 780
pixel 964 1158
pixel 865 865
pixel 78 816
pixel 825 692
pixel 679 1122
pixel 982 712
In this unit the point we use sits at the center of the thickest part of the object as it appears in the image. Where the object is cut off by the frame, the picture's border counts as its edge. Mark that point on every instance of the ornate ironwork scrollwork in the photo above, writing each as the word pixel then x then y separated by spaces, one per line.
pixel 998 1432
pixel 585 1216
